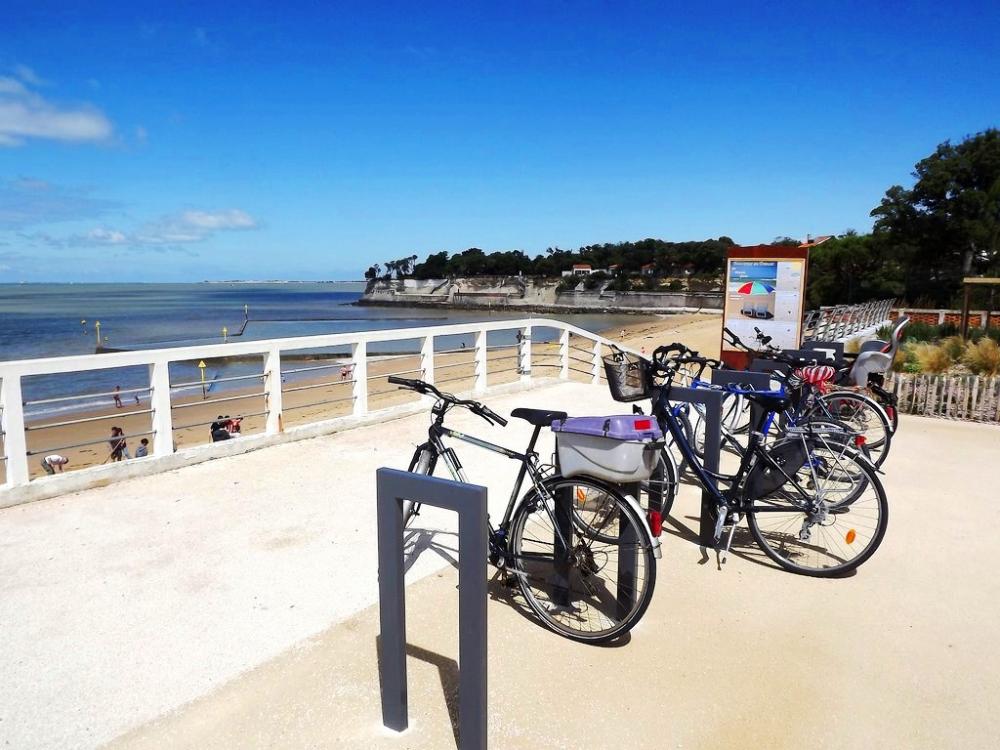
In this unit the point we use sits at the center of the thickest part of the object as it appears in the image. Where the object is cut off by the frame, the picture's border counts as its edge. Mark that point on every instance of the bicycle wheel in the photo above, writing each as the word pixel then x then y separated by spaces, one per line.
pixel 421 463
pixel 661 487
pixel 736 413
pixel 864 415
pixel 578 585
pixel 815 531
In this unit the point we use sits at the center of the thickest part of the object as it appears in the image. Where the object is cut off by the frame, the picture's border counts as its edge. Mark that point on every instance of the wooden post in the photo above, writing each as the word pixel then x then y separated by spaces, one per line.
pixel 12 419
pixel 595 377
pixel 564 354
pixel 524 355
pixel 427 359
pixel 159 402
pixel 480 382
pixel 359 371
pixel 965 311
pixel 272 389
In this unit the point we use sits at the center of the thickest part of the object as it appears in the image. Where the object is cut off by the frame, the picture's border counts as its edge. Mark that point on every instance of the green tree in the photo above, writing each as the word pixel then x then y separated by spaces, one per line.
pixel 853 268
pixel 948 224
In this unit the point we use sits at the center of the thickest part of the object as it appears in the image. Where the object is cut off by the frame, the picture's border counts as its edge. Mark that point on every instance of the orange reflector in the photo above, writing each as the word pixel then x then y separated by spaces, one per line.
pixel 851 536
pixel 581 495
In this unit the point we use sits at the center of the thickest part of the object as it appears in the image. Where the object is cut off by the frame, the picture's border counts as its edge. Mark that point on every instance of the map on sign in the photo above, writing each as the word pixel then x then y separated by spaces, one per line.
pixel 766 294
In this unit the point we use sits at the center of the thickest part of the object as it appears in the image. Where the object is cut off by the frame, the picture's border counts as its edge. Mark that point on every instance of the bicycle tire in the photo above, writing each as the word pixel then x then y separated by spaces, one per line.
pixel 865 415
pixel 586 593
pixel 661 485
pixel 809 543
pixel 422 462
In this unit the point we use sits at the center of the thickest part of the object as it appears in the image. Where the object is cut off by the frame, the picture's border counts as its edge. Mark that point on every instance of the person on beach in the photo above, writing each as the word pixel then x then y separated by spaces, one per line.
pixel 143 450
pixel 344 372
pixel 53 463
pixel 623 334
pixel 233 427
pixel 119 448
pixel 219 429
pixel 118 397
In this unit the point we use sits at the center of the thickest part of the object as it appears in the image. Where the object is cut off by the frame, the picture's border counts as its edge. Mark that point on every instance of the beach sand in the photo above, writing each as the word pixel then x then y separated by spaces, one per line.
pixel 302 398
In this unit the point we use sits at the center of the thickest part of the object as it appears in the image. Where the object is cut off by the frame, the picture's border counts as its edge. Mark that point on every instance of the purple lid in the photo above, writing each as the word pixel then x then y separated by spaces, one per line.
pixel 620 427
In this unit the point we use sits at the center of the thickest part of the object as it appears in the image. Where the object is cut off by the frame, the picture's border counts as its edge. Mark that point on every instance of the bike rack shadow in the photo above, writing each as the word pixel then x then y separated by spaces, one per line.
pixel 510 594
pixel 420 540
pixel 447 672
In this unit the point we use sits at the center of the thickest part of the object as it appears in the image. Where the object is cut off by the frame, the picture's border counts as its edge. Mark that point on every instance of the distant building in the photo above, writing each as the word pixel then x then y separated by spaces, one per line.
pixel 613 269
pixel 581 269
pixel 811 241
pixel 648 269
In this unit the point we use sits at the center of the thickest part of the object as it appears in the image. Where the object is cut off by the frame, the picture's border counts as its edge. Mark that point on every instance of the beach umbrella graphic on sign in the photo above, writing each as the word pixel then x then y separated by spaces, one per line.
pixel 755 287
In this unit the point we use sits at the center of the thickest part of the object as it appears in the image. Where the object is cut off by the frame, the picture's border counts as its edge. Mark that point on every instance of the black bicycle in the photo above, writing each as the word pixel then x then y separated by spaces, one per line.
pixel 581 551
pixel 813 503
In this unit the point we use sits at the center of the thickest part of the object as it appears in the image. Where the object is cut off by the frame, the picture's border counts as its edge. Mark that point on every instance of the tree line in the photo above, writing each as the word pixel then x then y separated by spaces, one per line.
pixel 925 239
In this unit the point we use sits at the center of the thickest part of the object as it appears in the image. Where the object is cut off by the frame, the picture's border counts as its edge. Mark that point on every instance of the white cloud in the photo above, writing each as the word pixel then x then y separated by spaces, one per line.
pixel 103 236
pixel 165 233
pixel 26 114
pixel 29 76
pixel 232 218
pixel 27 201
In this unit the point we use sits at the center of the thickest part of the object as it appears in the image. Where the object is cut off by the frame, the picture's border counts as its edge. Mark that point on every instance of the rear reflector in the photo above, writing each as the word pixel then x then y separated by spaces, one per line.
pixel 851 536
pixel 655 522
pixel 860 440
pixel 643 424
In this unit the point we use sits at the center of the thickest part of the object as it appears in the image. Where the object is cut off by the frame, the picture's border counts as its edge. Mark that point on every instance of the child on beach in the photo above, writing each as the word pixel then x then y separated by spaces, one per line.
pixel 54 462
pixel 118 397
pixel 143 450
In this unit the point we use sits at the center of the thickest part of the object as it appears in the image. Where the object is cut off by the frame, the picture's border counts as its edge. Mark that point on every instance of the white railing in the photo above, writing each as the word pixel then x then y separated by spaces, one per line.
pixel 843 321
pixel 564 359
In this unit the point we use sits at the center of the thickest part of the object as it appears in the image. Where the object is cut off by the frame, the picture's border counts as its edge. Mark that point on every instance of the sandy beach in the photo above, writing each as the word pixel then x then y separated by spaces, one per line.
pixel 303 397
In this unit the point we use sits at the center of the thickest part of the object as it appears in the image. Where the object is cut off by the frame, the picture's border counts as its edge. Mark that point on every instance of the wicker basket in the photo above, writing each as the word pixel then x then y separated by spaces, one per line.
pixel 629 377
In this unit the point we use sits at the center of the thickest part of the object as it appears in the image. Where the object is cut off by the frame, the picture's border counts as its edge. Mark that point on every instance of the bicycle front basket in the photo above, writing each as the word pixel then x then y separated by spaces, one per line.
pixel 629 377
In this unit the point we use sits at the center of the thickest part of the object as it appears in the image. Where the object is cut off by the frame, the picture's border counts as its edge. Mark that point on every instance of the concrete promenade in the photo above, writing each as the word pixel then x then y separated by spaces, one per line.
pixel 230 604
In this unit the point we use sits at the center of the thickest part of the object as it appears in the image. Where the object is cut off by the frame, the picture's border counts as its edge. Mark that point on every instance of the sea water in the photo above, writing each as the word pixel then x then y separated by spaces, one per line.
pixel 55 320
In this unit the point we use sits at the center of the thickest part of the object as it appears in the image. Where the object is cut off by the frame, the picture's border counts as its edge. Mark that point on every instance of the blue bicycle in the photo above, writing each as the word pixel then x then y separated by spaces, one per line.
pixel 812 501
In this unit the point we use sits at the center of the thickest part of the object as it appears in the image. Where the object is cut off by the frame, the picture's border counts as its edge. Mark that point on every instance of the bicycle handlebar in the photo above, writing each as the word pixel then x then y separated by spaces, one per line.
pixel 475 407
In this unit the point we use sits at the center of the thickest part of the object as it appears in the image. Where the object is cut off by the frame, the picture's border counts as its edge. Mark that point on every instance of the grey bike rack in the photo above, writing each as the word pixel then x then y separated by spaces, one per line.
pixel 713 440
pixel 469 501
pixel 759 381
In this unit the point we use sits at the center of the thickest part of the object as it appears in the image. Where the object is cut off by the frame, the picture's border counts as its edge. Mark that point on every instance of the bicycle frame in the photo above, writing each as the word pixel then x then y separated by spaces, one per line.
pixel 527 459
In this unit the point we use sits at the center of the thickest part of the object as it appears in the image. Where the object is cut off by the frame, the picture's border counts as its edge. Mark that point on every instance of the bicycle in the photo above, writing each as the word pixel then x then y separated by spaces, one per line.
pixel 581 551
pixel 865 415
pixel 799 515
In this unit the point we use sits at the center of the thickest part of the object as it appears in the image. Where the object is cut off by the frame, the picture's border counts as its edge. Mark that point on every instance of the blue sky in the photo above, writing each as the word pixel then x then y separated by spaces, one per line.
pixel 186 141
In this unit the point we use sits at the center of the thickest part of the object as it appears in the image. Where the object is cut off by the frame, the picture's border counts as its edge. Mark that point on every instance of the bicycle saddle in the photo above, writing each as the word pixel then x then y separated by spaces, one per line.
pixel 816 374
pixel 538 417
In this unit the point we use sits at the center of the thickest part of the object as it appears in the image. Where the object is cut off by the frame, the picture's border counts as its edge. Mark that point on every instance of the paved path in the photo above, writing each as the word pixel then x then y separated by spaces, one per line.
pixel 121 604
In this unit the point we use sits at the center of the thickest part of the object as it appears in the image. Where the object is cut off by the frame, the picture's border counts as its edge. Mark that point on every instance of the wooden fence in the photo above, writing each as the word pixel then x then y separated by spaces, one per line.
pixel 952 396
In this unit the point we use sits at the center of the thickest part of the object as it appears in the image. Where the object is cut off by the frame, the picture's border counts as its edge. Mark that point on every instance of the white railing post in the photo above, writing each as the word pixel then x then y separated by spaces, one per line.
pixel 427 359
pixel 524 355
pixel 272 390
pixel 480 383
pixel 564 354
pixel 14 443
pixel 595 376
pixel 359 371
pixel 159 402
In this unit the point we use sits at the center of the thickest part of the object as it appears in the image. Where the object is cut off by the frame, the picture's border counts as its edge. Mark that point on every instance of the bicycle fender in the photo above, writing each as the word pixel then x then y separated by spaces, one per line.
pixel 653 541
